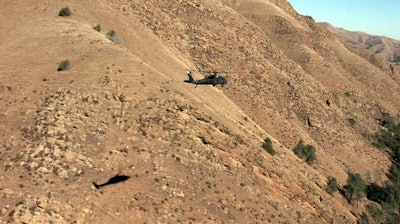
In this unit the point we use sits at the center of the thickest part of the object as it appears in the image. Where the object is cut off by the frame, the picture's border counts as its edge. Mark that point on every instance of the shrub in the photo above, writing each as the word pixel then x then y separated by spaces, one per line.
pixel 112 35
pixel 64 12
pixel 377 193
pixel 355 187
pixel 390 205
pixel 388 196
pixel 389 137
pixel 394 175
pixel 352 121
pixel 332 185
pixel 267 146
pixel 392 218
pixel 64 65
pixel 388 122
pixel 363 219
pixel 97 27
pixel 375 211
pixel 306 152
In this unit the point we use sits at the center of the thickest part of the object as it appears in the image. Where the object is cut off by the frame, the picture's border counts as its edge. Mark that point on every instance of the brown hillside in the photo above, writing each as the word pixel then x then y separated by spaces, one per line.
pixel 387 48
pixel 193 155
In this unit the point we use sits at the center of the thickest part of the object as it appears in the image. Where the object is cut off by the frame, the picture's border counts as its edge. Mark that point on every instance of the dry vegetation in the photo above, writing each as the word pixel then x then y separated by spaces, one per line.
pixel 193 155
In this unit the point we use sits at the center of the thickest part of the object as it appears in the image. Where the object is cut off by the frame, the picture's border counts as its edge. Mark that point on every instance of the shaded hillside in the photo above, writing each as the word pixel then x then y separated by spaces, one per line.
pixel 387 48
pixel 192 155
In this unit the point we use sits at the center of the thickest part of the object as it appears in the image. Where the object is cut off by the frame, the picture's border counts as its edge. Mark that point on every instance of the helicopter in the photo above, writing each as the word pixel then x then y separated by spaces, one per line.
pixel 210 79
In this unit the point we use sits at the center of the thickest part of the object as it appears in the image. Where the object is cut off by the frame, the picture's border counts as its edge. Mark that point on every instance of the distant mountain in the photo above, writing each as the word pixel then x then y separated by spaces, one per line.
pixel 385 47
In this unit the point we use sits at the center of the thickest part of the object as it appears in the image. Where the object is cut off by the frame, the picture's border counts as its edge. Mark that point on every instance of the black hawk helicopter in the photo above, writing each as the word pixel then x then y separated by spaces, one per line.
pixel 210 79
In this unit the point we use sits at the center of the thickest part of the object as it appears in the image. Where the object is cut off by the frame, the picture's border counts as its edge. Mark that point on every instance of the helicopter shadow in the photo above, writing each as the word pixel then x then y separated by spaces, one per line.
pixel 113 180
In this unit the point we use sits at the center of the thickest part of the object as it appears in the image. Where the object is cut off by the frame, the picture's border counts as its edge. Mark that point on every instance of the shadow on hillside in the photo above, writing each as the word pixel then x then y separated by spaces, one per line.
pixel 113 180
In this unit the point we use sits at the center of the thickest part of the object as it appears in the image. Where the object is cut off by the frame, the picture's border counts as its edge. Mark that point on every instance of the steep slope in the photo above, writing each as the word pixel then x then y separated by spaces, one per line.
pixel 329 72
pixel 387 48
pixel 114 112
pixel 192 154
pixel 263 53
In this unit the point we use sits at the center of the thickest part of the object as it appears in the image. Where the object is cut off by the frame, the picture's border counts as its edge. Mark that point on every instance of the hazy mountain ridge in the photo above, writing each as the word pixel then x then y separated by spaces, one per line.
pixel 193 154
pixel 385 47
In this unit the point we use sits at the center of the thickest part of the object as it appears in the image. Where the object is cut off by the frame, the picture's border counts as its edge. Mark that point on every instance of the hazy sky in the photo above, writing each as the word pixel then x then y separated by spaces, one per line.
pixel 376 17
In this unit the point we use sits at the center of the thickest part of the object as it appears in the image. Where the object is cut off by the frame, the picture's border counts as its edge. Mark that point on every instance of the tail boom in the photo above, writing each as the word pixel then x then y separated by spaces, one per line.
pixel 190 80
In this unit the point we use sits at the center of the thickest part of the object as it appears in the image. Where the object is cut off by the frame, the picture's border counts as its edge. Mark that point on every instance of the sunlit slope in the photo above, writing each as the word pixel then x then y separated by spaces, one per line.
pixel 192 154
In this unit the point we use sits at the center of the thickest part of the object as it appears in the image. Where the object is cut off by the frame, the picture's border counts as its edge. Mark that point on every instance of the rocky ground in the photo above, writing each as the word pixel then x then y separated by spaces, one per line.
pixel 193 155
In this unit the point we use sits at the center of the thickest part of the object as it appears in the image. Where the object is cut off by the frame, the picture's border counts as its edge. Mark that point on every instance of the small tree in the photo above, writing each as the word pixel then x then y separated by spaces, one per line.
pixel 64 65
pixel 332 185
pixel 267 146
pixel 306 152
pixel 64 12
pixel 355 187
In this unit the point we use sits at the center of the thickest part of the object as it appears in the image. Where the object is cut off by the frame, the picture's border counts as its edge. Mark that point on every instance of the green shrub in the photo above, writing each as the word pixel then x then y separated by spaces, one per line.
pixel 97 27
pixel 64 12
pixel 388 196
pixel 375 211
pixel 306 152
pixel 355 187
pixel 64 65
pixel 332 185
pixel 390 205
pixel 392 218
pixel 363 219
pixel 389 137
pixel 377 193
pixel 267 146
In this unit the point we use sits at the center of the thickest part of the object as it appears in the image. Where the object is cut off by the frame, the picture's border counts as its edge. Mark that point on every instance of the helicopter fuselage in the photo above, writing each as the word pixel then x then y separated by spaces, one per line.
pixel 210 79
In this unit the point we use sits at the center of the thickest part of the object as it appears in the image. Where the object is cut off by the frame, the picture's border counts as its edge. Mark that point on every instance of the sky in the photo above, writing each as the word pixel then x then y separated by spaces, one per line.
pixel 375 17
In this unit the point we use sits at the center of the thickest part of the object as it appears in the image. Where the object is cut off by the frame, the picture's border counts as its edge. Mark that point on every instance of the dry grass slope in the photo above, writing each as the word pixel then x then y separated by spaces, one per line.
pixel 193 155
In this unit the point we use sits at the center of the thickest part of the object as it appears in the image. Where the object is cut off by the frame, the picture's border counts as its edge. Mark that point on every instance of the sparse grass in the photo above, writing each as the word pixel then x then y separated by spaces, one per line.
pixel 64 12
pixel 64 65
pixel 267 146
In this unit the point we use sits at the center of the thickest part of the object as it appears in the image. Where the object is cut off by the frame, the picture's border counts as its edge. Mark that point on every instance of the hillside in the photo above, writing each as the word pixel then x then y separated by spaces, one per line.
pixel 387 48
pixel 193 155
